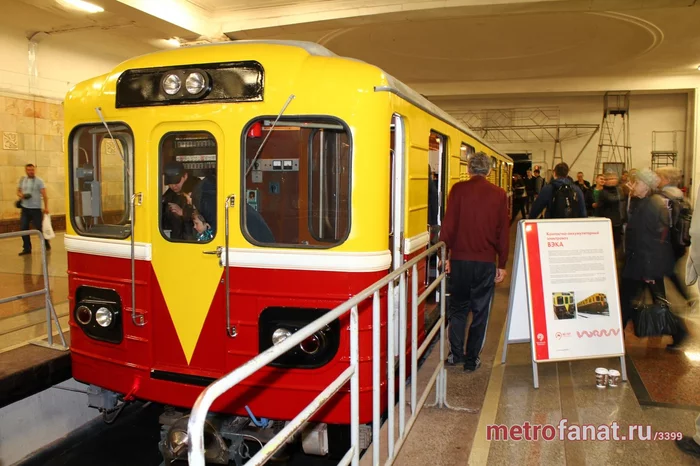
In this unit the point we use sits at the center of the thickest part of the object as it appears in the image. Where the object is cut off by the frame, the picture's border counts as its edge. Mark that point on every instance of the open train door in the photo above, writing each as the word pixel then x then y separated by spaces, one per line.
pixel 398 203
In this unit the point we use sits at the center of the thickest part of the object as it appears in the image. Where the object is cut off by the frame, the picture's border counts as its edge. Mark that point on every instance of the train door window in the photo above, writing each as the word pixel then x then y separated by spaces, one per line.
pixel 296 180
pixel 437 157
pixel 493 176
pixel 188 175
pixel 101 167
pixel 465 150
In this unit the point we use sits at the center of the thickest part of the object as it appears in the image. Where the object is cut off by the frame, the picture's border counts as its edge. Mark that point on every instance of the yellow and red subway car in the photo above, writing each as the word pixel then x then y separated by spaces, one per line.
pixel 313 168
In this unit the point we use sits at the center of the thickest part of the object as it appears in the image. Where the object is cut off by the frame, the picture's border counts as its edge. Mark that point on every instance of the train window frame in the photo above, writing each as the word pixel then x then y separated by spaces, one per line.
pixel 305 118
pixel 160 186
pixel 129 181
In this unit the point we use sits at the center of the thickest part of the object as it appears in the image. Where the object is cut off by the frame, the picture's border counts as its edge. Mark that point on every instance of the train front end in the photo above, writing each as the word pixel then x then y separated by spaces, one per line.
pixel 213 206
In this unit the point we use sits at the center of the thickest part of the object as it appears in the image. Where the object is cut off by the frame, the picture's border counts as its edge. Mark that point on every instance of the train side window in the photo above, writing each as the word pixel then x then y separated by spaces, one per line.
pixel 101 168
pixel 188 186
pixel 296 181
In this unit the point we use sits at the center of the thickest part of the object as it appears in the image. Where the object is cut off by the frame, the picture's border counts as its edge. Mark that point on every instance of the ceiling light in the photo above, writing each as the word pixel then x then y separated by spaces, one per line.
pixel 698 67
pixel 82 6
pixel 174 42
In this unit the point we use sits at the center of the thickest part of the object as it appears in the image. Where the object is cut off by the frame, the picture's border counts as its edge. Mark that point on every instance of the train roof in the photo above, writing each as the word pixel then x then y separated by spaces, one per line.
pixel 391 84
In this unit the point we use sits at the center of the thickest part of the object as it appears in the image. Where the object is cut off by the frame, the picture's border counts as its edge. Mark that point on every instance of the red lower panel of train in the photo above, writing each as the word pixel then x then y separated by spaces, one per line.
pixel 149 360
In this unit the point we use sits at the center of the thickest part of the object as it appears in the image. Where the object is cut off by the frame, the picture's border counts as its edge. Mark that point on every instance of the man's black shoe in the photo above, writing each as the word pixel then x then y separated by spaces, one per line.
pixel 24 253
pixel 452 361
pixel 689 445
pixel 471 366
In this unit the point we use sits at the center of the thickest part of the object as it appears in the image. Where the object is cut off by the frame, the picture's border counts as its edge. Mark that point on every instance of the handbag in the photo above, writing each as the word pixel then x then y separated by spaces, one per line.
pixel 653 320
pixel 18 204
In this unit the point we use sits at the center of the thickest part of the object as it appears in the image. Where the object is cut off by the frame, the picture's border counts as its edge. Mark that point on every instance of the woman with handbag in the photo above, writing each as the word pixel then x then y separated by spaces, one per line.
pixel 649 258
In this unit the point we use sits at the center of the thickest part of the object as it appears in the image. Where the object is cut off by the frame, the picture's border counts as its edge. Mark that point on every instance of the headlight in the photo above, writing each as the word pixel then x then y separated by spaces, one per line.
pixel 172 84
pixel 313 344
pixel 195 83
pixel 103 316
pixel 279 335
pixel 83 315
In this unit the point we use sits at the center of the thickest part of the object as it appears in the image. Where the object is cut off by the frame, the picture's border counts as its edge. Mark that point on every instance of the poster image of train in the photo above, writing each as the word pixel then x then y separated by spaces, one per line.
pixel 564 305
pixel 593 306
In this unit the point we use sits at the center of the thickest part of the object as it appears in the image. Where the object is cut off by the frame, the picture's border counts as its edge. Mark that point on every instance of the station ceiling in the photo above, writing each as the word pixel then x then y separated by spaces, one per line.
pixel 442 48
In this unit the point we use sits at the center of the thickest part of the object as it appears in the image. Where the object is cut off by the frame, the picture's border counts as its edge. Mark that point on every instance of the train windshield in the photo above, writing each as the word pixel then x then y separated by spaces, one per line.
pixel 560 300
pixel 297 189
pixel 100 180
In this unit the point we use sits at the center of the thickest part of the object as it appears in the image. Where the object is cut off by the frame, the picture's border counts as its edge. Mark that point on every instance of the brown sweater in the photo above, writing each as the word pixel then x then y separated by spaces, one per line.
pixel 476 224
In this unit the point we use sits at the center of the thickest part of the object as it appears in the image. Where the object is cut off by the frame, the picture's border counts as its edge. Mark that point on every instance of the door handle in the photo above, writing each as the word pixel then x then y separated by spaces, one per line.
pixel 219 250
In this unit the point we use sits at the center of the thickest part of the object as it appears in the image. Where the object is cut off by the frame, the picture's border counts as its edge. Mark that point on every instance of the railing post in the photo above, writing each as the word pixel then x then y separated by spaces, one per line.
pixel 402 353
pixel 47 298
pixel 390 367
pixel 376 376
pixel 355 387
pixel 442 383
pixel 414 338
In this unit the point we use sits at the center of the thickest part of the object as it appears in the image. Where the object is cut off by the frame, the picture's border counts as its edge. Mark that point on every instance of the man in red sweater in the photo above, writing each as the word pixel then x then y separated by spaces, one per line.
pixel 475 230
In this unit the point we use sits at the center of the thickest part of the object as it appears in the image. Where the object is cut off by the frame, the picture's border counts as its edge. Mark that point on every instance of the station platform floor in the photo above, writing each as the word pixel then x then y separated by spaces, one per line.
pixel 662 391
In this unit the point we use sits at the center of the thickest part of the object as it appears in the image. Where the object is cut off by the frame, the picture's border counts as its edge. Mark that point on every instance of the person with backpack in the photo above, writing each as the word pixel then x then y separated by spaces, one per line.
pixel 611 205
pixel 680 216
pixel 561 198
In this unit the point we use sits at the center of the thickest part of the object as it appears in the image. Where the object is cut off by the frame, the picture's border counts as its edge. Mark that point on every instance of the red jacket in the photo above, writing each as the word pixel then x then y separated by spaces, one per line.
pixel 476 223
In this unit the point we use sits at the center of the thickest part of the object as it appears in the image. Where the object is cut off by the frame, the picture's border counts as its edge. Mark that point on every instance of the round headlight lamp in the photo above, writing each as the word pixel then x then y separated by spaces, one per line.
pixel 195 83
pixel 83 315
pixel 104 317
pixel 279 335
pixel 172 84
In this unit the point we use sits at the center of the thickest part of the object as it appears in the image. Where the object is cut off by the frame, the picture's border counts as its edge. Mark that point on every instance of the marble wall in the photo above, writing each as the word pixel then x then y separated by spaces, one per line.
pixel 31 129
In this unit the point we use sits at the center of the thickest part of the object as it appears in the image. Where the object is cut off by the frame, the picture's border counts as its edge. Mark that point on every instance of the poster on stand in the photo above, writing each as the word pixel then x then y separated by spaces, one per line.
pixel 564 295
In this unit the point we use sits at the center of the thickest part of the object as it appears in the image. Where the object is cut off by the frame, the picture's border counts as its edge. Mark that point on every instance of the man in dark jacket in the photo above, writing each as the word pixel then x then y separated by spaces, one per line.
pixel 547 195
pixel 475 230
pixel 611 204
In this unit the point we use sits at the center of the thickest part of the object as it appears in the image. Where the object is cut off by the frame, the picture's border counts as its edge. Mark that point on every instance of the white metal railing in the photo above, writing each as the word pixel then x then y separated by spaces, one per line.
pixel 437 379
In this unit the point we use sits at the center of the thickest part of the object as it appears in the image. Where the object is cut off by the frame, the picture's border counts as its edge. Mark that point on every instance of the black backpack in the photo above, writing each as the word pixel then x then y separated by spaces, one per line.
pixel 681 214
pixel 564 202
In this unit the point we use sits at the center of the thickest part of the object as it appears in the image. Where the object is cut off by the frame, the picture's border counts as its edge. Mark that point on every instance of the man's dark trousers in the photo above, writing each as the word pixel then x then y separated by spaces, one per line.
pixel 35 217
pixel 471 289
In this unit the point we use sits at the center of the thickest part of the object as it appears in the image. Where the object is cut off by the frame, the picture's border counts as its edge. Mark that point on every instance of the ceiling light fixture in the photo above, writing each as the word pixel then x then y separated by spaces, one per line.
pixel 173 42
pixel 82 6
pixel 698 67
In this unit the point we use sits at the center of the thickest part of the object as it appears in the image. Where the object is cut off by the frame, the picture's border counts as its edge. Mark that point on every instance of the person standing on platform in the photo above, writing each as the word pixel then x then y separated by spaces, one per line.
pixel 581 183
pixel 539 183
pixel 561 197
pixel 648 252
pixel 519 197
pixel 691 444
pixel 611 205
pixel 30 190
pixel 475 230
pixel 669 177
pixel 530 189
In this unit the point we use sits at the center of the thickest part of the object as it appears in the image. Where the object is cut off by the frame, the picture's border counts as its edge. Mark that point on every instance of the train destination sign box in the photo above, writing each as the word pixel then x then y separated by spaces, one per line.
pixel 564 296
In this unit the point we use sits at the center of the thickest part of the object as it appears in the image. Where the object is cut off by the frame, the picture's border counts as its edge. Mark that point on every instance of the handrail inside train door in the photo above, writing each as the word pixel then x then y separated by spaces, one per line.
pixel 230 329
pixel 138 320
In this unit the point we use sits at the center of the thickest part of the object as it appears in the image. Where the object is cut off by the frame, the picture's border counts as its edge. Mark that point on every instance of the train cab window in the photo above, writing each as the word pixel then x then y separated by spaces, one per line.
pixel 188 186
pixel 101 167
pixel 296 182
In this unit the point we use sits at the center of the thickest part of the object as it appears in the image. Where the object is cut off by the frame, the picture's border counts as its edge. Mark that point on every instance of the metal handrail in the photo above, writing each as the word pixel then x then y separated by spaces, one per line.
pixel 221 386
pixel 50 311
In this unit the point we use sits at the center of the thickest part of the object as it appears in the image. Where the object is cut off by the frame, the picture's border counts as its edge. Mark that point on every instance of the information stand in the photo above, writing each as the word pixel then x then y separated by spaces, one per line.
pixel 565 292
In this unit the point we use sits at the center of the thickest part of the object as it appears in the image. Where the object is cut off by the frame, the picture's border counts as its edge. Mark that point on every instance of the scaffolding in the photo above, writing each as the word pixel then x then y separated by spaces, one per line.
pixel 664 148
pixel 527 125
pixel 614 149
